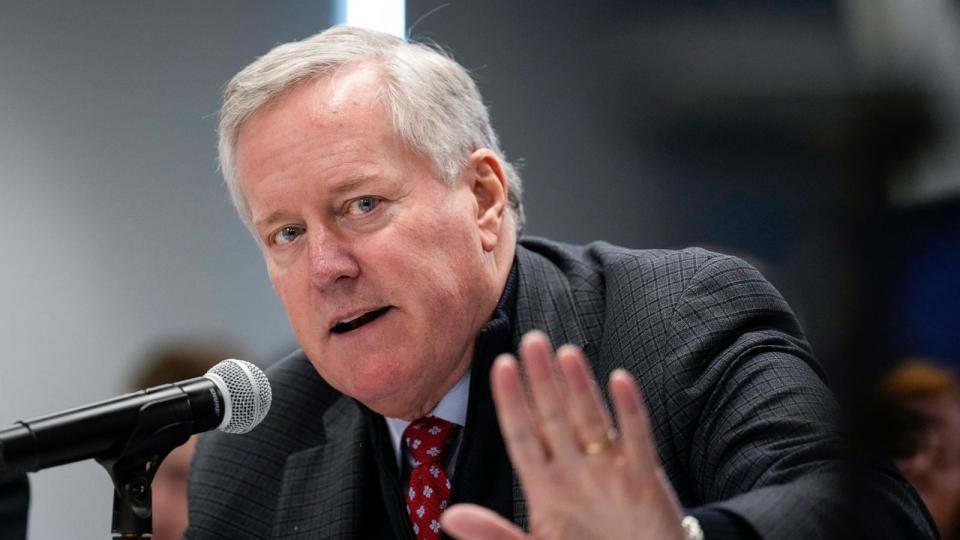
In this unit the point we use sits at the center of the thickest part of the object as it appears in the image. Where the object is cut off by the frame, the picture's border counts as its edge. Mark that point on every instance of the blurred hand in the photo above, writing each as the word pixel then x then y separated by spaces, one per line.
pixel 580 480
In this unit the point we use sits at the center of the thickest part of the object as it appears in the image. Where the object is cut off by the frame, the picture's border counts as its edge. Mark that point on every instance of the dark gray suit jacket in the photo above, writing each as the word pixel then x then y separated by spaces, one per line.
pixel 14 503
pixel 742 418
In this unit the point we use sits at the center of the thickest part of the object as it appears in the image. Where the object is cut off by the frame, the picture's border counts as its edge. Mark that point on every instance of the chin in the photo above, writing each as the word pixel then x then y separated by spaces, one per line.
pixel 390 404
pixel 378 386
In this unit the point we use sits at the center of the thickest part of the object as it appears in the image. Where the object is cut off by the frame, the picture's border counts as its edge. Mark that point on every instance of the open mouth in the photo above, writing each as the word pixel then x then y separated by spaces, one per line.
pixel 348 326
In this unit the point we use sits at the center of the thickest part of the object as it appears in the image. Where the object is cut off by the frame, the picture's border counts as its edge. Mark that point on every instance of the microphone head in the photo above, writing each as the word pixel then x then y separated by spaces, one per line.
pixel 246 394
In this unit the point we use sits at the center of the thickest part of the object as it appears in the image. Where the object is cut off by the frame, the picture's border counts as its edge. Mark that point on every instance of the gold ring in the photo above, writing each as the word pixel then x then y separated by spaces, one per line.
pixel 599 446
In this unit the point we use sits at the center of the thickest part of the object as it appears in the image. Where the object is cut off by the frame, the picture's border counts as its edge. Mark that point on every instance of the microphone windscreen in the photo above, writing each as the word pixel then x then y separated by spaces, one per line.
pixel 246 394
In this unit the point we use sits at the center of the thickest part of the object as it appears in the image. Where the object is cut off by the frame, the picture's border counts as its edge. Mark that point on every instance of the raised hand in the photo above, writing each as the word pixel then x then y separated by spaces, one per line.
pixel 580 478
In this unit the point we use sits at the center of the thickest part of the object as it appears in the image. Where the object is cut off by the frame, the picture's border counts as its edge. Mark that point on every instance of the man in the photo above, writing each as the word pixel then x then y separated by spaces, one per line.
pixel 367 169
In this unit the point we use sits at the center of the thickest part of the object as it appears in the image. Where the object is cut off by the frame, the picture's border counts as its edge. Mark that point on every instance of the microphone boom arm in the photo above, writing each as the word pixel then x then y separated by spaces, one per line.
pixel 130 435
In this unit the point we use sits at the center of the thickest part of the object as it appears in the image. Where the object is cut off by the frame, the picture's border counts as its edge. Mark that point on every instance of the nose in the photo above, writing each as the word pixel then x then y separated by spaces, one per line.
pixel 331 259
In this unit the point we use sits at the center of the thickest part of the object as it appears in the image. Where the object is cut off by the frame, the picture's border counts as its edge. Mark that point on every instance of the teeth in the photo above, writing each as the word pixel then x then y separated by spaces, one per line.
pixel 346 321
pixel 347 325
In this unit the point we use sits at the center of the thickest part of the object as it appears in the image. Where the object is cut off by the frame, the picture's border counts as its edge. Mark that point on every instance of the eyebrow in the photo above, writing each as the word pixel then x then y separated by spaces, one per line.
pixel 343 187
pixel 271 218
pixel 352 183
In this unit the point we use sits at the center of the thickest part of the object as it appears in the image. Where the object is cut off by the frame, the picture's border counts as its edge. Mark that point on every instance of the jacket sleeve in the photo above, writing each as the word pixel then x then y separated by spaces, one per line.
pixel 14 503
pixel 753 423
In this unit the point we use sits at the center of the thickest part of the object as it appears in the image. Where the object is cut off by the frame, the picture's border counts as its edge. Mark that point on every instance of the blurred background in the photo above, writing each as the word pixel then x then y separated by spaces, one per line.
pixel 819 139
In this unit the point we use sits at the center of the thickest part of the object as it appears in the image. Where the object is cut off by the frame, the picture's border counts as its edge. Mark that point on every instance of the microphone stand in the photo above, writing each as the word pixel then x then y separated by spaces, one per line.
pixel 158 431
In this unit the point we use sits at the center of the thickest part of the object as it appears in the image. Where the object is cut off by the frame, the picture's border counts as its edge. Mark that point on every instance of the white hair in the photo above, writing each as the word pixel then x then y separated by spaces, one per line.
pixel 434 104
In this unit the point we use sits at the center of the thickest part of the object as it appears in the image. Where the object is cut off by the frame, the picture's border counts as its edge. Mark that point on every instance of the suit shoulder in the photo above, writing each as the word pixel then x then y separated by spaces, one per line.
pixel 236 478
pixel 603 256
pixel 656 270
pixel 680 264
pixel 300 396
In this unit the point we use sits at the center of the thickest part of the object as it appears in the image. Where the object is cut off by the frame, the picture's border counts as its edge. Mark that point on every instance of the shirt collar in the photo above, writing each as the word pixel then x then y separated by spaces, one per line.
pixel 452 408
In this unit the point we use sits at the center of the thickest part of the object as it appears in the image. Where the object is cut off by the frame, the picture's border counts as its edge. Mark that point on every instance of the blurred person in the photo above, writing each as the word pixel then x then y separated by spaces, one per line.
pixel 925 436
pixel 163 364
pixel 14 505
pixel 389 219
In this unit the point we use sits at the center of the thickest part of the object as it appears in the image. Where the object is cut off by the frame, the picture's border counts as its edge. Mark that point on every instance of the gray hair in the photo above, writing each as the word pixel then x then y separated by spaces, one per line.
pixel 434 104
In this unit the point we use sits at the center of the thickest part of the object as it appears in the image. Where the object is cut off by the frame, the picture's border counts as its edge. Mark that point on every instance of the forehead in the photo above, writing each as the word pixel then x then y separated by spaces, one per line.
pixel 318 128
pixel 349 95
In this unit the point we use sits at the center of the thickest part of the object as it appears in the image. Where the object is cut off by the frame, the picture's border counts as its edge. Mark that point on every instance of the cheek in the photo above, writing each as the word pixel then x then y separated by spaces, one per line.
pixel 289 287
pixel 439 279
pixel 281 286
pixel 440 266
pixel 447 235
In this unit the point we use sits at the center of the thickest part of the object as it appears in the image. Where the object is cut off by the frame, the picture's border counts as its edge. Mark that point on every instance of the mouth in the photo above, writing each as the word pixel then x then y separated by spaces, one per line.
pixel 344 327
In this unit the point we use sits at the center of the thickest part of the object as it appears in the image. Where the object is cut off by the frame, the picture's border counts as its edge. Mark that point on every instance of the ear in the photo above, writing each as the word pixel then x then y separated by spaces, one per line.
pixel 489 187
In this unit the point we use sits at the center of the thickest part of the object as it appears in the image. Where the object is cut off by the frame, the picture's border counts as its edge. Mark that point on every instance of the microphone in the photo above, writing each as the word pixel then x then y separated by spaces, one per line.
pixel 233 396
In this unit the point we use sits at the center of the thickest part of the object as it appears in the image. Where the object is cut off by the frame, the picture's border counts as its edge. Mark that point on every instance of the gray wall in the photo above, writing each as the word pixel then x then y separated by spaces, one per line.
pixel 773 129
pixel 115 230
pixel 733 126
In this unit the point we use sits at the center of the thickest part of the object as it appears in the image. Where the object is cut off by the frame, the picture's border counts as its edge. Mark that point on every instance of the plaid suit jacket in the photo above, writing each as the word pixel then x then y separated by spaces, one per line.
pixel 739 410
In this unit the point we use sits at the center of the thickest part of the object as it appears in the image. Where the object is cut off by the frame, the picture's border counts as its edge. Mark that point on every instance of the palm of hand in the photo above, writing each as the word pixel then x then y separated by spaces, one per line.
pixel 601 501
pixel 580 481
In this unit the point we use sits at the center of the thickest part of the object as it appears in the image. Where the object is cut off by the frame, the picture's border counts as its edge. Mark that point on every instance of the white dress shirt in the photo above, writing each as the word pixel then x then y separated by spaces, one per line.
pixel 452 408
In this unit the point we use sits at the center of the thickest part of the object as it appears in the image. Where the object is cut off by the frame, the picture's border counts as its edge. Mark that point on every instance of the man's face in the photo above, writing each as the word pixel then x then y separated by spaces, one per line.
pixel 378 263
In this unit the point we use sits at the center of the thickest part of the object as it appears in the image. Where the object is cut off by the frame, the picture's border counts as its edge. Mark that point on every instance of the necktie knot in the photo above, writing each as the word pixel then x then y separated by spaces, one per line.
pixel 427 439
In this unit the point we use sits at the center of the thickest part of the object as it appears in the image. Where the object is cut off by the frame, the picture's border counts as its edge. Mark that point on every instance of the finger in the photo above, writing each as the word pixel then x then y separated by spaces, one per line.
pixel 537 356
pixel 588 412
pixel 633 421
pixel 515 417
pixel 473 522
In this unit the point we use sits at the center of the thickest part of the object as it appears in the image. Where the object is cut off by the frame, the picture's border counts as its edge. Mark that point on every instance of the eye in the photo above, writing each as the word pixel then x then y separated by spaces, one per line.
pixel 286 234
pixel 362 205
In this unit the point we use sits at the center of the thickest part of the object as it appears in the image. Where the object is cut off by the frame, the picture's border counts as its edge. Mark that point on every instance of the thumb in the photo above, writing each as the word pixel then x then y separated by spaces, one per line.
pixel 473 522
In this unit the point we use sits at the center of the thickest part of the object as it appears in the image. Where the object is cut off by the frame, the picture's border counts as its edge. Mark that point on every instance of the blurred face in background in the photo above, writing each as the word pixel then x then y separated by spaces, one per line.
pixel 385 270
pixel 934 469
pixel 170 493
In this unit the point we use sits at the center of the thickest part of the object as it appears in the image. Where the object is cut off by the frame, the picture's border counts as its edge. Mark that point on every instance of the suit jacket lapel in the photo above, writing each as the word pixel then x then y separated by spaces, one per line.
pixel 544 302
pixel 323 486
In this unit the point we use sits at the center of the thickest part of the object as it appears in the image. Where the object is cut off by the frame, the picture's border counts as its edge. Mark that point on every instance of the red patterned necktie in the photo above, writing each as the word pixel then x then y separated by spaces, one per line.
pixel 427 440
